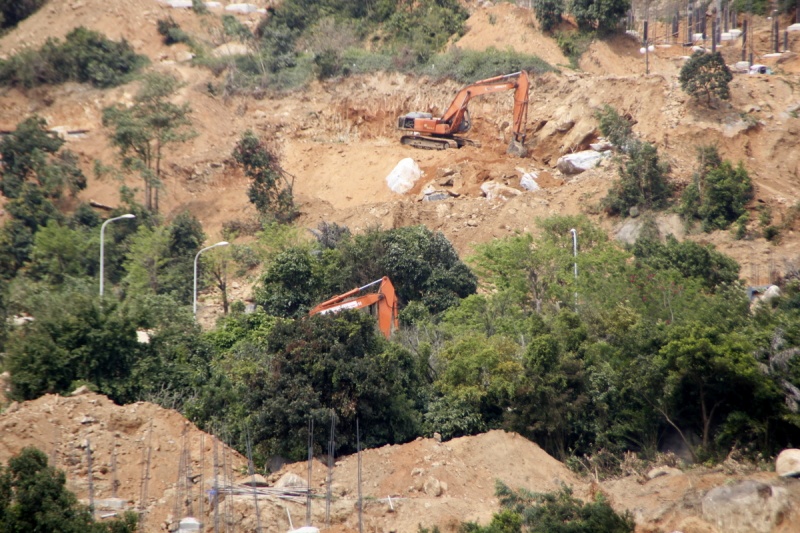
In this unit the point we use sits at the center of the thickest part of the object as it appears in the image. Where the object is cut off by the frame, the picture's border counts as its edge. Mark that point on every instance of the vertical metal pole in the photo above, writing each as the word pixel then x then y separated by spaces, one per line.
pixel 360 500
pixel 646 51
pixel 310 467
pixel 575 264
pixel 714 36
pixel 91 477
pixel 215 492
pixel 744 39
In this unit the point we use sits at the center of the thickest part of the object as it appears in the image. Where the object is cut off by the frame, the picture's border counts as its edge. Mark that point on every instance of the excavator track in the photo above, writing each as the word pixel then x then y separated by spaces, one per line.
pixel 436 143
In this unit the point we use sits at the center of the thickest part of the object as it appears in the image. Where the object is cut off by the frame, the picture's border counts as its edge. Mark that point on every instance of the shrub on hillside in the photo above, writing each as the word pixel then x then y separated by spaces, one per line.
pixel 706 75
pixel 718 193
pixel 548 13
pixel 467 66
pixel 642 181
pixel 12 12
pixel 552 512
pixel 85 56
pixel 171 31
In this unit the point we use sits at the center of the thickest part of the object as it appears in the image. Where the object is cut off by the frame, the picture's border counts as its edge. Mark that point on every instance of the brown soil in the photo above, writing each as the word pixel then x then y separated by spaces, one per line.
pixel 424 482
pixel 338 140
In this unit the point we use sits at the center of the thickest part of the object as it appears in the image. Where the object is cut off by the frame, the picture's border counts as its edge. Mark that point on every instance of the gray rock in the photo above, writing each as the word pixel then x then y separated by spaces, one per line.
pixel 788 463
pixel 746 507
pixel 291 481
pixel 494 190
pixel 433 487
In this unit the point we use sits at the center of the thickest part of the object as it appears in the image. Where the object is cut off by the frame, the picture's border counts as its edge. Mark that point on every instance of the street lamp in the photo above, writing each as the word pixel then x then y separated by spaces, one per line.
pixel 194 304
pixel 575 255
pixel 102 235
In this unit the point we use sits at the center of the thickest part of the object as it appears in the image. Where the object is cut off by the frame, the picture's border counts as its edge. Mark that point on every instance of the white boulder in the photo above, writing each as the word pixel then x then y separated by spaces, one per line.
pixel 403 177
pixel 579 161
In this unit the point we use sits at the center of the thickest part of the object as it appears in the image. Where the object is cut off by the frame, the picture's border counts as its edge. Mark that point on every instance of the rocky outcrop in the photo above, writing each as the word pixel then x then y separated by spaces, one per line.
pixel 746 507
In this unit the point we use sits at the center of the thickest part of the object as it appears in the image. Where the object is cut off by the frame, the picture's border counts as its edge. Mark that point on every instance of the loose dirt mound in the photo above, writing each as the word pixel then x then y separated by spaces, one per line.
pixel 124 441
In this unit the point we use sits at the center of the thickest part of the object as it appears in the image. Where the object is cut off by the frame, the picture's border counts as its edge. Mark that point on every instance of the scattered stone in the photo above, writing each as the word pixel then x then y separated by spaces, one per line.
pixel 433 487
pixel 437 437
pixel 493 190
pixel 83 389
pixel 565 126
pixel 257 480
pixel 746 507
pixel 788 463
pixel 241 8
pixel 579 161
pixel 291 481
pixel 663 471
pixel 633 212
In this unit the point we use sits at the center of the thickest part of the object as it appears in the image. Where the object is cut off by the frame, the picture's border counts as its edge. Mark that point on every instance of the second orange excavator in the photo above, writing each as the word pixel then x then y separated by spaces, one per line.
pixel 381 304
pixel 439 133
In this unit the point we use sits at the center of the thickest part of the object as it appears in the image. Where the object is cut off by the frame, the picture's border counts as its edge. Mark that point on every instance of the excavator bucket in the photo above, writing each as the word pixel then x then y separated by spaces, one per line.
pixel 516 148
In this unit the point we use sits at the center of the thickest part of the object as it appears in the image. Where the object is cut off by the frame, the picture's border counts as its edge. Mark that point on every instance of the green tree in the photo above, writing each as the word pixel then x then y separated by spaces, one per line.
pixel 313 368
pixel 147 260
pixel 616 128
pixel 12 12
pixel 601 15
pixel 72 339
pixel 30 154
pixel 642 181
pixel 711 375
pixel 270 187
pixel 548 13
pixel 144 131
pixel 719 193
pixel 691 259
pixel 58 252
pixel 34 497
pixel 706 75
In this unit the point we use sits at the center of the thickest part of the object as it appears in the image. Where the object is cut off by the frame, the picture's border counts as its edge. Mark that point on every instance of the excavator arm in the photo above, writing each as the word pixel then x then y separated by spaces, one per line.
pixel 381 304
pixel 456 118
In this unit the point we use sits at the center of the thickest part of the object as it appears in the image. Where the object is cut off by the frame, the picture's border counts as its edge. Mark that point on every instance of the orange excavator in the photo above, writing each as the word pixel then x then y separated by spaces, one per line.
pixel 440 133
pixel 381 304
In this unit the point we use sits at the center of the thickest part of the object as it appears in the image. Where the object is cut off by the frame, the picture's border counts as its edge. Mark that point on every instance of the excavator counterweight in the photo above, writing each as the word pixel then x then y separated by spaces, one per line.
pixel 381 304
pixel 439 133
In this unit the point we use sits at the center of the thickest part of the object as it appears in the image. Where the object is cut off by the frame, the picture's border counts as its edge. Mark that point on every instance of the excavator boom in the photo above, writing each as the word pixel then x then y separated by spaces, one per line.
pixel 381 304
pixel 439 133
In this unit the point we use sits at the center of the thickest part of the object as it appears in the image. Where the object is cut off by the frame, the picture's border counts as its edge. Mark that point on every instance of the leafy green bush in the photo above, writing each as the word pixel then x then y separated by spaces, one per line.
pixel 270 187
pixel 12 12
pixel 467 66
pixel 34 497
pixel 691 259
pixel 574 44
pixel 706 75
pixel 642 181
pixel 172 32
pixel 614 127
pixel 601 15
pixel 85 56
pixel 552 512
pixel 719 193
pixel 548 13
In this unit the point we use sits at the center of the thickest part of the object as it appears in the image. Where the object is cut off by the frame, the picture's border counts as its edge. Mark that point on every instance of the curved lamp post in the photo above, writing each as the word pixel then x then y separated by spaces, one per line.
pixel 194 299
pixel 102 236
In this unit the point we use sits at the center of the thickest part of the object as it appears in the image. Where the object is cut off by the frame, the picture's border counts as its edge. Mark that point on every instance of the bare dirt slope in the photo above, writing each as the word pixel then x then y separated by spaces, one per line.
pixel 157 457
pixel 338 139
